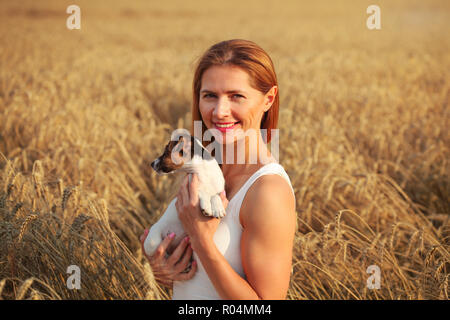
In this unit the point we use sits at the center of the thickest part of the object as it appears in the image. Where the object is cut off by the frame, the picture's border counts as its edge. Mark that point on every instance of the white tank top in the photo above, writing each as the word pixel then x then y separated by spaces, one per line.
pixel 228 240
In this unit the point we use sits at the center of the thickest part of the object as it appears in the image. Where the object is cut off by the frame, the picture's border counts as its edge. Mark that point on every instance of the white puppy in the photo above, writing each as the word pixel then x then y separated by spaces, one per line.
pixel 188 155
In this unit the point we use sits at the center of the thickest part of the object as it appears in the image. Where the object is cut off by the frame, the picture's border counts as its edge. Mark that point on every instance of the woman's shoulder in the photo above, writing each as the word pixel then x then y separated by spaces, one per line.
pixel 270 195
pixel 271 186
pixel 272 177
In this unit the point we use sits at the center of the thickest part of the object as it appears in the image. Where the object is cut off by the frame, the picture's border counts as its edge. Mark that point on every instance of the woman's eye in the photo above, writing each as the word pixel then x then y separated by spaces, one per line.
pixel 234 96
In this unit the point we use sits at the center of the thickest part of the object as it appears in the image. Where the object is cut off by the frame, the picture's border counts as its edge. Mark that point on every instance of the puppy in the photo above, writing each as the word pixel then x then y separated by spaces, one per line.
pixel 187 154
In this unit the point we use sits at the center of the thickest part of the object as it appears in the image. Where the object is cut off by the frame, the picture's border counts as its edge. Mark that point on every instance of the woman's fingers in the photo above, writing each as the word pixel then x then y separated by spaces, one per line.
pixel 184 262
pixel 161 250
pixel 190 274
pixel 143 236
pixel 193 189
pixel 178 252
pixel 168 270
pixel 183 194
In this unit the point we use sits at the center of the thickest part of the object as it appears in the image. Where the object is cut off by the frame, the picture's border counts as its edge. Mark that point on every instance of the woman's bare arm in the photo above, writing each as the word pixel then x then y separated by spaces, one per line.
pixel 269 220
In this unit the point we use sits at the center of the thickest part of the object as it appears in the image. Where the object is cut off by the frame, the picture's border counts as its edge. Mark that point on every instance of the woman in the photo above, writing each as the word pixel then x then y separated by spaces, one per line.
pixel 247 254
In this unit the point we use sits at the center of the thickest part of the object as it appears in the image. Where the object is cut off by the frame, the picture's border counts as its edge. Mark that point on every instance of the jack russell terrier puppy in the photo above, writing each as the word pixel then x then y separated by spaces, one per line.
pixel 187 154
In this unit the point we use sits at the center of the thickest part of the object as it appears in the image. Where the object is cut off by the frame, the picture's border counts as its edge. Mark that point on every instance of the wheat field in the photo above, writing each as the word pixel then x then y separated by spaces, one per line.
pixel 364 121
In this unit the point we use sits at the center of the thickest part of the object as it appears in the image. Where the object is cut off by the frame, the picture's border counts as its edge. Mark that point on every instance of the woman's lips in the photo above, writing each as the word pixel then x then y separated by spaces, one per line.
pixel 225 129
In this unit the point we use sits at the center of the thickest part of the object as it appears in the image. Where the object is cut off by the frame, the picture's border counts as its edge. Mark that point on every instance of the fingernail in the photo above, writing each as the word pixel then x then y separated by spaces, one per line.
pixel 172 235
pixel 186 239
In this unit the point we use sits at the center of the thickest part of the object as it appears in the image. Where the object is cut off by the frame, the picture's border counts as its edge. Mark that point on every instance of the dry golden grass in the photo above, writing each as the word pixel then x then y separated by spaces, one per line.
pixel 363 129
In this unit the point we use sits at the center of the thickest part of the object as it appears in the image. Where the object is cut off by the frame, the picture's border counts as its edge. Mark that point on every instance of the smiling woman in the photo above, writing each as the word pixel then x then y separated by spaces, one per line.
pixel 252 67
pixel 248 253
pixel 229 104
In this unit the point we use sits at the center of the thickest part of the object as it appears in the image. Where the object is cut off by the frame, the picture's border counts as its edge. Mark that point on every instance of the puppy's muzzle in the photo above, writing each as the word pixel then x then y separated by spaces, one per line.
pixel 155 164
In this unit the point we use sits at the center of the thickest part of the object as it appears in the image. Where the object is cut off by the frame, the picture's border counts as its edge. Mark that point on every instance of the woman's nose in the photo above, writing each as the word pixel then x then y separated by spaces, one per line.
pixel 221 109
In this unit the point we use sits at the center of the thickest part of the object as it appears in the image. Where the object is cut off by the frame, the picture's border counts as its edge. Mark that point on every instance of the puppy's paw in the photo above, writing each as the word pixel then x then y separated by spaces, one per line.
pixel 206 213
pixel 205 205
pixel 218 211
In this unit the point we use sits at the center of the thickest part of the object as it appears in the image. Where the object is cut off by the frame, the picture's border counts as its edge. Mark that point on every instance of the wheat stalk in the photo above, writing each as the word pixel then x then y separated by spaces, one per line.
pixel 2 285
pixel 429 256
pixel 391 239
pixel 444 288
pixel 78 223
pixel 24 288
pixel 27 221
pixel 338 225
pixel 439 269
pixel 66 195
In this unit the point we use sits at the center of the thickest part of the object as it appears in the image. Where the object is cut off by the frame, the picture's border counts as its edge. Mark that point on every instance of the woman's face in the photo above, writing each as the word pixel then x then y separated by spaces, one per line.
pixel 227 99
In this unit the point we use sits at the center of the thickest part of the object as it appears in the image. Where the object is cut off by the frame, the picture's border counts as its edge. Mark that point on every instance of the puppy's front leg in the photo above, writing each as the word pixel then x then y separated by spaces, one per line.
pixel 218 211
pixel 205 204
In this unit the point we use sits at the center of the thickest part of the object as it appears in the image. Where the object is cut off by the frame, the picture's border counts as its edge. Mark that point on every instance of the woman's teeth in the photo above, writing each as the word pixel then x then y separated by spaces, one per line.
pixel 225 125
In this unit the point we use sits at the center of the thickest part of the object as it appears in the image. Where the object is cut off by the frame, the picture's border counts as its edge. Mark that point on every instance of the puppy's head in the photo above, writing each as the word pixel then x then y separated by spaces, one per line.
pixel 180 154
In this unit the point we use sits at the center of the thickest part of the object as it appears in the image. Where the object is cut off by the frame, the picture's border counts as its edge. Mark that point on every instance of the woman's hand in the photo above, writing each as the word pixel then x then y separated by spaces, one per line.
pixel 199 227
pixel 167 270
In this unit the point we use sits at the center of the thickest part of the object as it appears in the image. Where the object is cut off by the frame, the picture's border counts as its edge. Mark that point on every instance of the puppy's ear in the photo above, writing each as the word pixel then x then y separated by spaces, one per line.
pixel 180 141
pixel 186 145
pixel 182 148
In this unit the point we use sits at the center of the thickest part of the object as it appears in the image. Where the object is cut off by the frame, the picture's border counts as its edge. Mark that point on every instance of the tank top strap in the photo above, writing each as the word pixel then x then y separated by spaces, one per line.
pixel 270 168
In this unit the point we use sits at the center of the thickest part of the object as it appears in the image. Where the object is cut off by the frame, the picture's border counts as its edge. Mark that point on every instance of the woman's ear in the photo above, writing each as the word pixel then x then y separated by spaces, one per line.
pixel 269 98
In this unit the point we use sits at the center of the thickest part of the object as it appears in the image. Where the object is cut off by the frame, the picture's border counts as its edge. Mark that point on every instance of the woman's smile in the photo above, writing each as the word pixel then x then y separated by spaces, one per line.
pixel 226 126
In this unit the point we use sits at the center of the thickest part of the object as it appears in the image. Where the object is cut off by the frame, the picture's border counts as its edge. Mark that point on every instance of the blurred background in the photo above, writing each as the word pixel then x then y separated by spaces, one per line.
pixel 363 136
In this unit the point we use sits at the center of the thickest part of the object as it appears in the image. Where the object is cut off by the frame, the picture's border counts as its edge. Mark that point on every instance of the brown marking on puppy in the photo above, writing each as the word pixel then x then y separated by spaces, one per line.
pixel 172 149
pixel 176 153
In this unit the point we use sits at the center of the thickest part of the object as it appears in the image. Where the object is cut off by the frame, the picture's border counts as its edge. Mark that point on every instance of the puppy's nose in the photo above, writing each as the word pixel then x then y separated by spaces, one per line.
pixel 154 163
